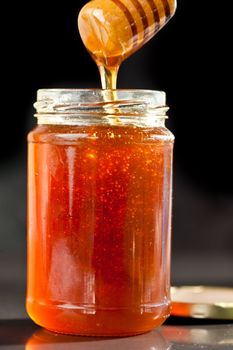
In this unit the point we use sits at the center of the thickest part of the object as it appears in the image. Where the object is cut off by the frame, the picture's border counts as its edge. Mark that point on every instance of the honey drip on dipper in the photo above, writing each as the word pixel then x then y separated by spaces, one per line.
pixel 112 30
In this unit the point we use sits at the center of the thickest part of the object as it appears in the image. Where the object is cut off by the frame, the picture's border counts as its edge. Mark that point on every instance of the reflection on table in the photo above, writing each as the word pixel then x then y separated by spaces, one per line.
pixel 44 340
pixel 212 337
pixel 184 334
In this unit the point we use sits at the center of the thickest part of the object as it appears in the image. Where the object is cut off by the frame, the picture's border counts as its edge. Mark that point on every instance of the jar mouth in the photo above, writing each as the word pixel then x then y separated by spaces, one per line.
pixel 70 106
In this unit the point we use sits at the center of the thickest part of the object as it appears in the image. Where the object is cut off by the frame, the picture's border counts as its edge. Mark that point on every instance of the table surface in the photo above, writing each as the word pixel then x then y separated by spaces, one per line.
pixel 182 334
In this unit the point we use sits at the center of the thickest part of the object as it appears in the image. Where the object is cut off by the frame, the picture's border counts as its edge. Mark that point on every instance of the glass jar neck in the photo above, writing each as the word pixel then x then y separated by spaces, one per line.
pixel 143 108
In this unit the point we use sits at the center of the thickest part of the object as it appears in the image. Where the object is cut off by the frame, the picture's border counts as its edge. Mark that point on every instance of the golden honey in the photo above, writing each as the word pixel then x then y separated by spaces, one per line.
pixel 99 226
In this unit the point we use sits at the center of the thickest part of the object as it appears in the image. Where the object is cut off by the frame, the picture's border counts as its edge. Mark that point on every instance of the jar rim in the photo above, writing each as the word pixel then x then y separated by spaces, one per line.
pixel 70 105
pixel 48 90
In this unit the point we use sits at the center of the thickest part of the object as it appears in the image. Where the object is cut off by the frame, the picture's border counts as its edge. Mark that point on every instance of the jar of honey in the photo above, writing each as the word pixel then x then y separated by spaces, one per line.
pixel 99 212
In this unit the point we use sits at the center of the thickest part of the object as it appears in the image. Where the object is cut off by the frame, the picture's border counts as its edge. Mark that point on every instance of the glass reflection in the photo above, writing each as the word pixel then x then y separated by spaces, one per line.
pixel 45 340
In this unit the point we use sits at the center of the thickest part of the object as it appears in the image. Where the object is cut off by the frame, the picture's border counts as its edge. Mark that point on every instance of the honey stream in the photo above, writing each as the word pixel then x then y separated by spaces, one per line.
pixel 112 30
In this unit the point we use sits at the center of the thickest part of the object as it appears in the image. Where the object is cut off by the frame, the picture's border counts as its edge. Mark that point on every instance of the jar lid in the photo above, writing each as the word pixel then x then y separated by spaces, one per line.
pixel 202 302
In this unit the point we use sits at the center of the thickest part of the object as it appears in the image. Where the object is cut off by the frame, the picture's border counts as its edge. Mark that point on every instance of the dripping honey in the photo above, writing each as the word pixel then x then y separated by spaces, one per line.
pixel 113 30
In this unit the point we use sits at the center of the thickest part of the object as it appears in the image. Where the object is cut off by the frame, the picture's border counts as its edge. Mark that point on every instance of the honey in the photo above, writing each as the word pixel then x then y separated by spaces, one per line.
pixel 113 30
pixel 99 216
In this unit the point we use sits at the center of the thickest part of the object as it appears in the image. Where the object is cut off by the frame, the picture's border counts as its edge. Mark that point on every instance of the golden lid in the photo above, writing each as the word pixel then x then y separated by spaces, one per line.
pixel 202 302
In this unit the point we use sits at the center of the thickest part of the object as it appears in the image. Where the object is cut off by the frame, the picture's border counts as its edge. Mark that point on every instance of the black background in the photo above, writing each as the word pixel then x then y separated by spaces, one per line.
pixel 190 60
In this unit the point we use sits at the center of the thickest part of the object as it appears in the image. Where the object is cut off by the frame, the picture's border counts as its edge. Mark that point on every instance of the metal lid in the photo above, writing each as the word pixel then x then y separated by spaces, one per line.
pixel 202 302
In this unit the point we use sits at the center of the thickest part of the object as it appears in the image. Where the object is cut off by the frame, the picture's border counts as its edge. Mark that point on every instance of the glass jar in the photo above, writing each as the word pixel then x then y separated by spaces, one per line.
pixel 99 212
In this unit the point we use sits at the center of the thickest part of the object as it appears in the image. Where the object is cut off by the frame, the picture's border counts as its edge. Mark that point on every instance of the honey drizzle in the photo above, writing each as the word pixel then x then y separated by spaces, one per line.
pixel 108 77
pixel 109 83
pixel 109 62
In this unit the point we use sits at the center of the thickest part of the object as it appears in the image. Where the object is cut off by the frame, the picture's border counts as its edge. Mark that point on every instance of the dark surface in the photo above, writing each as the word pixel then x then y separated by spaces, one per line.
pixel 176 334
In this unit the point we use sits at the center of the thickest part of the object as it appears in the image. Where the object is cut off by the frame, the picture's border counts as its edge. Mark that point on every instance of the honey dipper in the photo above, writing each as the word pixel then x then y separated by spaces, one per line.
pixel 112 30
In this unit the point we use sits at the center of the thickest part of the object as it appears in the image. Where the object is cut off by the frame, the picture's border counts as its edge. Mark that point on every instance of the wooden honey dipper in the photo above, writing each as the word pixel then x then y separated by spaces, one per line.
pixel 112 30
